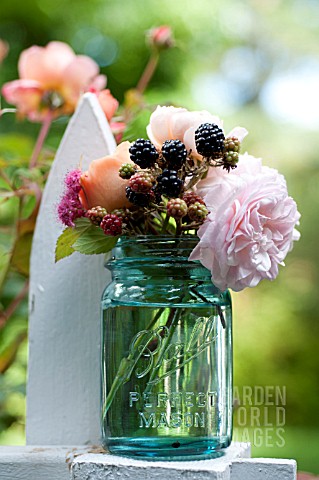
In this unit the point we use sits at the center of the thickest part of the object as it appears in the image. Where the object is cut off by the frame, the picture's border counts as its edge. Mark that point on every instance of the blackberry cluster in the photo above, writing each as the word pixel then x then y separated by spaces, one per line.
pixel 192 197
pixel 96 215
pixel 232 144
pixel 169 184
pixel 111 225
pixel 143 153
pixel 139 199
pixel 175 153
pixel 141 182
pixel 176 208
pixel 122 213
pixel 197 212
pixel 209 140
pixel 127 170
pixel 231 153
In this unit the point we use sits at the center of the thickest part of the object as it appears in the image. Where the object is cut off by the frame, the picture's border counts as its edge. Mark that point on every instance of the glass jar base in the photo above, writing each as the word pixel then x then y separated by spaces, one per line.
pixel 168 448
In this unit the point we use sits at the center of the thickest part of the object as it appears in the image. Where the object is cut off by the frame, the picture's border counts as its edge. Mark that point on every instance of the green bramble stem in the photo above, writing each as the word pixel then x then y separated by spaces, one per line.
pixel 164 346
pixel 127 366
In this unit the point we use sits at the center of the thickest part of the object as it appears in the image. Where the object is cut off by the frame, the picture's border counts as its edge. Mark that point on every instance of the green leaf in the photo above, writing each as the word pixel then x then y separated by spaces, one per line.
pixel 64 243
pixel 93 241
pixel 84 238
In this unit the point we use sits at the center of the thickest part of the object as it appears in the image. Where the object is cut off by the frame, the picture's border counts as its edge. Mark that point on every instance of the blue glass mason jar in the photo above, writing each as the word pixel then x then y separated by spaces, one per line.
pixel 166 353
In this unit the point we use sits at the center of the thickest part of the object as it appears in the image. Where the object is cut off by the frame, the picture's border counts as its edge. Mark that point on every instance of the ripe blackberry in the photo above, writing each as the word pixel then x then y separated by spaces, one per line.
pixel 176 208
pixel 175 153
pixel 197 212
pixel 141 182
pixel 209 140
pixel 192 197
pixel 96 215
pixel 169 184
pixel 111 225
pixel 127 170
pixel 232 144
pixel 143 153
pixel 139 199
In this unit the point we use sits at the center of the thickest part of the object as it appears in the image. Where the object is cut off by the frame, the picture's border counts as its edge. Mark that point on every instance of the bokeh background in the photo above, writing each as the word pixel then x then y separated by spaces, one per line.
pixel 255 63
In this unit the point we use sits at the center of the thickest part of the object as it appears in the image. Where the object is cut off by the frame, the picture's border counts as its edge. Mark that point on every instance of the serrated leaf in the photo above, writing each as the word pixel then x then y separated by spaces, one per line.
pixel 93 241
pixel 84 238
pixel 64 243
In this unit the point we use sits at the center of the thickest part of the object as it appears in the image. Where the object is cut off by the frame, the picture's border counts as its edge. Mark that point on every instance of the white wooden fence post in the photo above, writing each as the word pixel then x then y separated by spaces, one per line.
pixel 64 331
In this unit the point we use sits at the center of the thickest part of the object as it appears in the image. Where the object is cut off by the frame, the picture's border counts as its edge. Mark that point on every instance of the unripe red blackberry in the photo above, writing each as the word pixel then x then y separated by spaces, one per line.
pixel 197 212
pixel 169 184
pixel 139 199
pixel 141 182
pixel 111 225
pixel 176 208
pixel 96 215
pixel 122 213
pixel 143 153
pixel 209 140
pixel 175 153
pixel 192 197
pixel 232 144
pixel 127 170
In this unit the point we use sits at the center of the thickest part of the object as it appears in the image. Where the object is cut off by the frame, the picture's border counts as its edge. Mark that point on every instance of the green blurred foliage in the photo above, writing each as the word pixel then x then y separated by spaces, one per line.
pixel 226 54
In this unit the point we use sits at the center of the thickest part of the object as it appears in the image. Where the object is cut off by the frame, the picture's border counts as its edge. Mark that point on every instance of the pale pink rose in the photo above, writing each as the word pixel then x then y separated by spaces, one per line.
pixel 170 123
pixel 101 184
pixel 52 79
pixel 246 164
pixel 250 229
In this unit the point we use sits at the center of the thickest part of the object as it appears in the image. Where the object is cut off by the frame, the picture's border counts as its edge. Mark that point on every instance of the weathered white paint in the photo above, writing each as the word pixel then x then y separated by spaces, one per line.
pixel 63 387
pixel 263 469
pixel 99 466
pixel 38 463
pixel 83 463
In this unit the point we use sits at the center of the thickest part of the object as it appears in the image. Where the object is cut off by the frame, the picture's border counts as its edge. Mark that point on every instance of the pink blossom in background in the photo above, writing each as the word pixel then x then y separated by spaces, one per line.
pixel 52 79
pixel 4 49
pixel 161 37
pixel 108 103
pixel 171 123
pixel 251 227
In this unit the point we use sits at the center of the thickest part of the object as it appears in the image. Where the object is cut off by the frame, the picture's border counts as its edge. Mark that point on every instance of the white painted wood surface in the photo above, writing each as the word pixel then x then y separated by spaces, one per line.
pixel 263 469
pixel 83 463
pixel 99 466
pixel 63 388
pixel 38 463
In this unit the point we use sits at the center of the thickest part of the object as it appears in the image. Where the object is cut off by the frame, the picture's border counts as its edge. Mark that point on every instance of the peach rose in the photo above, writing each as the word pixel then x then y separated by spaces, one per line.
pixel 52 79
pixel 102 185
pixel 170 123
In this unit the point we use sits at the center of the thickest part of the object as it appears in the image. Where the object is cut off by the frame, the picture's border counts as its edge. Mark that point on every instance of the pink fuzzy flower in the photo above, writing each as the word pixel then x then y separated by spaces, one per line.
pixel 72 181
pixel 251 227
pixel 70 207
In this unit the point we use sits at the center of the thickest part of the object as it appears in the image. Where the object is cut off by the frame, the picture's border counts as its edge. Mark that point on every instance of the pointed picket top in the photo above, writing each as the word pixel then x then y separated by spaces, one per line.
pixel 63 386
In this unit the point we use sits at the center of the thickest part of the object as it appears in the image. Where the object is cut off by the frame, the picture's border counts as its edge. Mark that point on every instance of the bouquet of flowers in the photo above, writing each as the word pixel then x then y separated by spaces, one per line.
pixel 187 178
